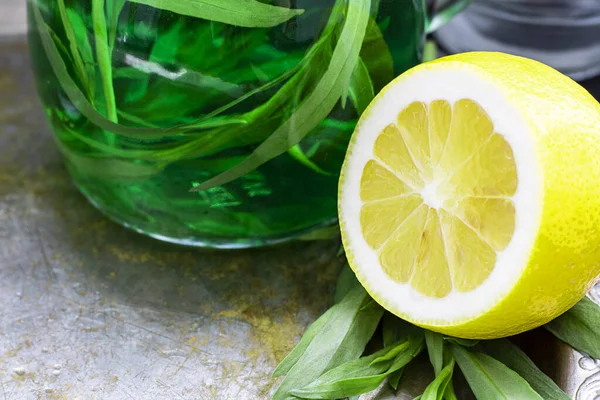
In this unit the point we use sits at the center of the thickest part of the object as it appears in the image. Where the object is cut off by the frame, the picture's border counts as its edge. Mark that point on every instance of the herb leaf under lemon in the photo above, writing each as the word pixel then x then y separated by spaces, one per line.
pixel 490 379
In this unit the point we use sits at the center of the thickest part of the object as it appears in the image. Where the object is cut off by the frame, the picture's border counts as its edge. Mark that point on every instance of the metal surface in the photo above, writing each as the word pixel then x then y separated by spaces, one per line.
pixel 94 311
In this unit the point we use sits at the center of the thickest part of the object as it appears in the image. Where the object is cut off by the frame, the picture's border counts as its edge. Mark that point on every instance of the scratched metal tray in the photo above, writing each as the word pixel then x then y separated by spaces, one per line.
pixel 94 311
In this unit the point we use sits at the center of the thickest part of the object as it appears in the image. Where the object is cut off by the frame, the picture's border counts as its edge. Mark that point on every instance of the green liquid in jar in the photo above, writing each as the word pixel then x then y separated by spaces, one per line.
pixel 157 69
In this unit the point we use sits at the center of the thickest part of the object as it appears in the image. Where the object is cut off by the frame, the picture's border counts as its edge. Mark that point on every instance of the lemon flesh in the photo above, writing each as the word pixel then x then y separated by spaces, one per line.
pixel 470 195
pixel 444 199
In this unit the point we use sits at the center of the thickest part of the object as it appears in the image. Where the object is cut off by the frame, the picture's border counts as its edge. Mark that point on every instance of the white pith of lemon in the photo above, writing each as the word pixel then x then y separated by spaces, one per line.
pixel 444 195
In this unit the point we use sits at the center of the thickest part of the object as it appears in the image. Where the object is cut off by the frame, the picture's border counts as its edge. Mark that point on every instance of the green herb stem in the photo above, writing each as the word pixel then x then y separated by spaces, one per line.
pixel 104 59
pixel 246 13
pixel 435 348
pixel 114 8
pixel 80 68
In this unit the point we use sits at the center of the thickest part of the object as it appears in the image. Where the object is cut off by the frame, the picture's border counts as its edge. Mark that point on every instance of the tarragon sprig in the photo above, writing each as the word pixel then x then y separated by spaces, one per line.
pixel 246 13
pixel 331 70
pixel 494 369
pixel 328 92
pixel 342 338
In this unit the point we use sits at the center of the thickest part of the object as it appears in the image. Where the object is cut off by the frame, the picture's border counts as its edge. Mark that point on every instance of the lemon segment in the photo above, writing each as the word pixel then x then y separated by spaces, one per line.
pixel 440 118
pixel 414 127
pixel 471 128
pixel 431 276
pixel 490 171
pixel 392 151
pixel 378 183
pixel 493 219
pixel 471 258
pixel 380 219
pixel 398 255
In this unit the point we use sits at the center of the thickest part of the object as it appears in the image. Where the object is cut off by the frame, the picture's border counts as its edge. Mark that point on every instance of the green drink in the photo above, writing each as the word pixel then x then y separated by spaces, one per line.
pixel 150 99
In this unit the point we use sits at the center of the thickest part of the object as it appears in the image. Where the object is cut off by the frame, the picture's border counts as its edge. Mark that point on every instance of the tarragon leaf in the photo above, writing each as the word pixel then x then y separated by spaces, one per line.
pixel 82 104
pixel 511 356
pixel 313 330
pixel 462 342
pixel 110 168
pixel 193 79
pixel 449 394
pixel 319 103
pixel 352 378
pixel 430 51
pixel 376 55
pixel 361 89
pixel 251 93
pixel 246 13
pixel 437 388
pixel 363 375
pixel 394 378
pixel 59 45
pixel 139 154
pixel 416 344
pixel 435 348
pixel 113 8
pixel 346 282
pixel 76 55
pixel 85 48
pixel 342 338
pixel 396 329
pixel 261 120
pixel 392 352
pixel 441 17
pixel 163 51
pixel 490 379
pixel 579 327
pixel 297 153
pixel 103 57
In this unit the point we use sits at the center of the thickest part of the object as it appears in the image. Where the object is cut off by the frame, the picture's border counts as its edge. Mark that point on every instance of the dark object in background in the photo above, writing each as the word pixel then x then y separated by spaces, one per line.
pixel 562 33
pixel 593 85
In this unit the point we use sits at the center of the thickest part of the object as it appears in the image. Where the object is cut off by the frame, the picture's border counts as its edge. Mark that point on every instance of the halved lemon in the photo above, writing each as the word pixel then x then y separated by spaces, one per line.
pixel 469 199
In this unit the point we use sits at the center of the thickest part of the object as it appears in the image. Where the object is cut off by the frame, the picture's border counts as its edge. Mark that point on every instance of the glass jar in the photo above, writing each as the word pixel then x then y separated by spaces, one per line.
pixel 218 123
